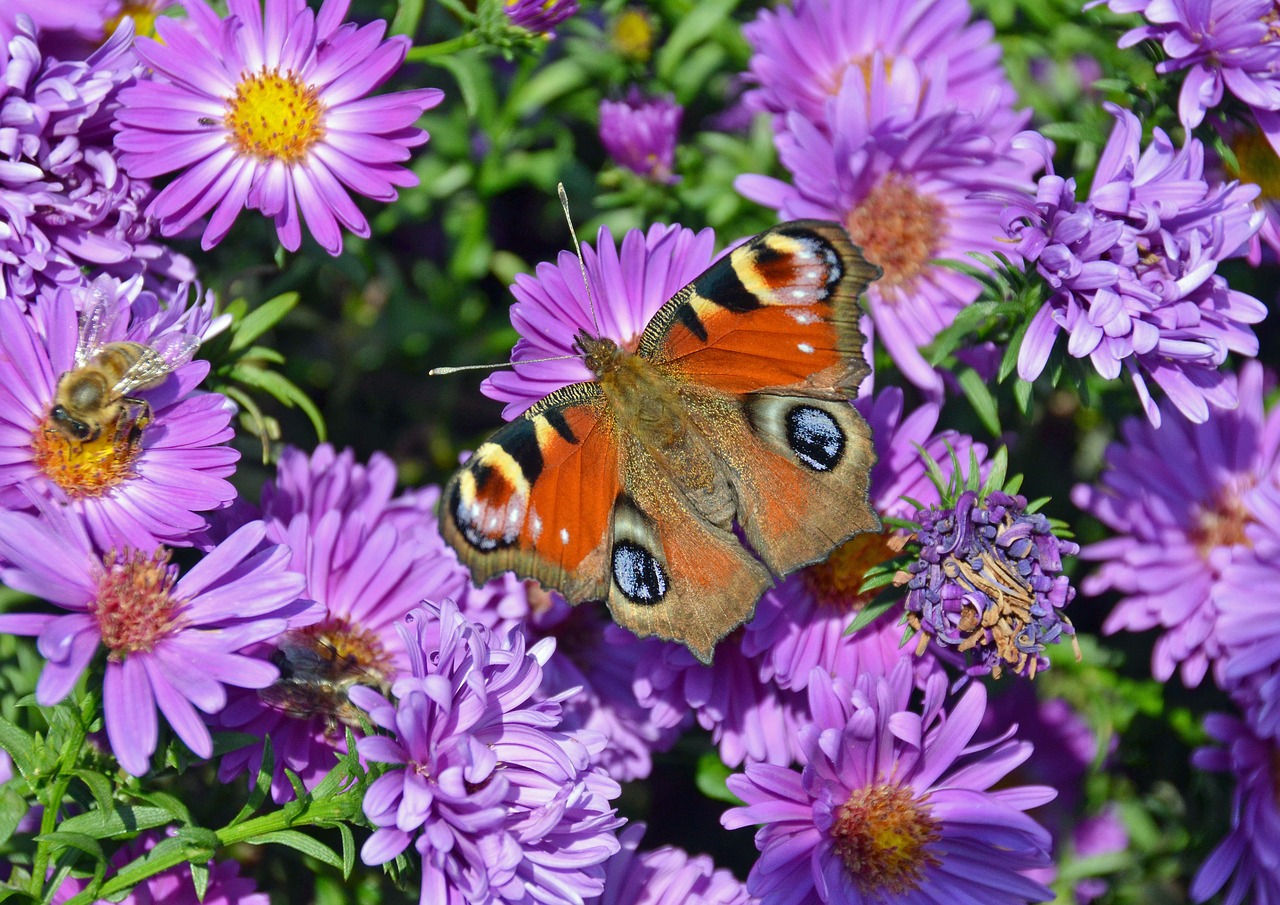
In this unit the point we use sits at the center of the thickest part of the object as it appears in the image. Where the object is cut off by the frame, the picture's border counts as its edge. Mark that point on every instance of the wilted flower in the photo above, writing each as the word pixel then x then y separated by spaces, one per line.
pixel 1179 498
pixel 137 487
pixel 804 53
pixel 507 807
pixel 987 582
pixel 267 110
pixel 640 134
pixel 899 169
pixel 891 804
pixel 1249 856
pixel 154 624
pixel 1132 270
pixel 665 876
pixel 628 286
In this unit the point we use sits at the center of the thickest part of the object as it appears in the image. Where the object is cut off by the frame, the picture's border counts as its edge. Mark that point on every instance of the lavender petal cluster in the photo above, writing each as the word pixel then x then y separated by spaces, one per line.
pixel 1132 269
pixel 640 134
pixel 987 583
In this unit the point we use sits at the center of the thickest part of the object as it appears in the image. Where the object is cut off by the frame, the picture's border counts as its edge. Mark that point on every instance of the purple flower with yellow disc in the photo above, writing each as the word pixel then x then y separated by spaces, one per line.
pixel 153 622
pixel 893 805
pixel 500 804
pixel 268 110
pixel 539 16
pixel 628 285
pixel 640 134
pixel 136 487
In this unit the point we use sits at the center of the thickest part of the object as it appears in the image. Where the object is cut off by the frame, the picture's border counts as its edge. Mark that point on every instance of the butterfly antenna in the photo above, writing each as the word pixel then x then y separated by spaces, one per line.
pixel 582 264
pixel 440 372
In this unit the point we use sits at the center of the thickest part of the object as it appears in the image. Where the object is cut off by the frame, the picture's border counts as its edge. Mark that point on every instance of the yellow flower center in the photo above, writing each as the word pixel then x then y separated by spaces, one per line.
pixel 835 582
pixel 275 116
pixel 1222 523
pixel 835 81
pixel 899 229
pixel 1257 163
pixel 143 14
pixel 883 834
pixel 134 606
pixel 86 468
pixel 633 34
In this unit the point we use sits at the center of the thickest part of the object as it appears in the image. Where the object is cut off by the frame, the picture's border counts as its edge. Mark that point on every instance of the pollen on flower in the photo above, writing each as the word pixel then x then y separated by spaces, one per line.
pixel 275 116
pixel 85 469
pixel 883 833
pixel 134 606
pixel 862 65
pixel 899 229
pixel 836 582
pixel 1221 524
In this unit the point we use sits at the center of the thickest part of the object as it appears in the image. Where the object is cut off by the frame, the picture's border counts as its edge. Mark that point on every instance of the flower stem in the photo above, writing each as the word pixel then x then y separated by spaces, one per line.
pixel 426 52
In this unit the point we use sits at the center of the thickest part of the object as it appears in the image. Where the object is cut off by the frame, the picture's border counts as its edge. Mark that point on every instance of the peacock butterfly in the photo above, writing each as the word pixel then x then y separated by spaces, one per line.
pixel 733 412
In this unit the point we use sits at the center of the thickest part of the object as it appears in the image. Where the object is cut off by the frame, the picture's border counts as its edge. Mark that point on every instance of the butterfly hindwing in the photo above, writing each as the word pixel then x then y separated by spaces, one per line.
pixel 536 497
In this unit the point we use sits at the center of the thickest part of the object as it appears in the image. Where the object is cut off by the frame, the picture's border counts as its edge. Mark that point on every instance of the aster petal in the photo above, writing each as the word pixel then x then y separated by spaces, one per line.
pixel 130 714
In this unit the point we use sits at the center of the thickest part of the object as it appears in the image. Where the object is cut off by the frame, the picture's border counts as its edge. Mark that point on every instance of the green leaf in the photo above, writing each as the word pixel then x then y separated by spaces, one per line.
pixel 348 849
pixel 552 81
pixel 121 820
pixel 308 845
pixel 284 390
pixel 79 841
pixel 170 803
pixel 1022 396
pixel 874 610
pixel 979 396
pixel 13 807
pixel 694 27
pixel 19 744
pixel 261 319
pixel 408 15
pixel 999 470
pixel 710 779
pixel 99 787
pixel 966 321
pixel 261 784
pixel 199 878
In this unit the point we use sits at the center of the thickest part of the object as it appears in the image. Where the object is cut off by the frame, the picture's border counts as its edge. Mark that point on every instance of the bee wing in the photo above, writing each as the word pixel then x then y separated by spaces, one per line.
pixel 170 351
pixel 95 327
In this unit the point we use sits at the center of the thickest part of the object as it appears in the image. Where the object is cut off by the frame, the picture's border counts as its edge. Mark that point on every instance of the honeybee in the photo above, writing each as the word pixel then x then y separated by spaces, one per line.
pixel 314 680
pixel 97 393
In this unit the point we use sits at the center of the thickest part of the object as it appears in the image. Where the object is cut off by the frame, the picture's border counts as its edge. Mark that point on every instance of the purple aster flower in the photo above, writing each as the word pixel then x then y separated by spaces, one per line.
pixel 750 719
pixel 987 583
pixel 1249 857
pixel 539 16
pixel 600 660
pixel 628 286
pixel 508 807
pixel 1224 45
pixel 804 53
pixel 1132 270
pixel 369 559
pixel 174 886
pixel 154 624
pixel 802 623
pixel 1178 498
pixel 899 170
pixel 267 110
pixel 64 203
pixel 640 134
pixel 136 488
pixel 893 804
pixel 665 876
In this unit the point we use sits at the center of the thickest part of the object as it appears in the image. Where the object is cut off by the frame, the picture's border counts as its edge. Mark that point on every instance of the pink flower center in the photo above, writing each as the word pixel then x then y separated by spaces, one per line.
pixel 899 229
pixel 86 468
pixel 837 581
pixel 883 834
pixel 134 605
pixel 275 116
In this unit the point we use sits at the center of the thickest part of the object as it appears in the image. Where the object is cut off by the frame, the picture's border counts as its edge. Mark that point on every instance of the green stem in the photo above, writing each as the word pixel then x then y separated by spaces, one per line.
pixel 427 52
pixel 53 806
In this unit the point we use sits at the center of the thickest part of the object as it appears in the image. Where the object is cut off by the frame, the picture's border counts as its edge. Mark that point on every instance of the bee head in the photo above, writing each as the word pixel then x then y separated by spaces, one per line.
pixel 70 426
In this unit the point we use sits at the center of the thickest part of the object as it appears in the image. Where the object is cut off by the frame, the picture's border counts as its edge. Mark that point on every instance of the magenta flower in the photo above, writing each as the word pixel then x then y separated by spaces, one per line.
pixel 628 286
pixel 600 660
pixel 1132 270
pixel 804 53
pixel 369 559
pixel 899 169
pixel 136 491
pixel 892 803
pixel 539 16
pixel 175 885
pixel 500 805
pixel 640 134
pixel 802 623
pixel 154 624
pixel 665 876
pixel 1249 856
pixel 1179 498
pixel 1225 45
pixel 268 110
pixel 64 203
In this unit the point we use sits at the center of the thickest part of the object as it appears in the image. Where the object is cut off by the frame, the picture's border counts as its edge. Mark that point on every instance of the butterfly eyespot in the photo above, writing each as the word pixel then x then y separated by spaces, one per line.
pixel 815 437
pixel 638 573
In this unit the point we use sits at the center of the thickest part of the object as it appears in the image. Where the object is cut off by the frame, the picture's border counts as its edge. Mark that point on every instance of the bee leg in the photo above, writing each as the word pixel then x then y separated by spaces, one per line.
pixel 139 416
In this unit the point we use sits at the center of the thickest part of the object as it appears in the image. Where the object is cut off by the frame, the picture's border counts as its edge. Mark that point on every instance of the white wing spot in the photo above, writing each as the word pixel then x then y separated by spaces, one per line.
pixel 799 293
pixel 564 535
pixel 805 348
pixel 811 275
pixel 802 317
pixel 535 525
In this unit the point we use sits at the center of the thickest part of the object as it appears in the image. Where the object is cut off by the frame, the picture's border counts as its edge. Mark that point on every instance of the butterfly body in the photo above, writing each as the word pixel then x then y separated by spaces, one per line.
pixel 729 420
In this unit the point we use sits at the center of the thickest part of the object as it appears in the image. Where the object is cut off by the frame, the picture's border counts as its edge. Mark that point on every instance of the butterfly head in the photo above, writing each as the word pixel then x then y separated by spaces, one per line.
pixel 600 354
